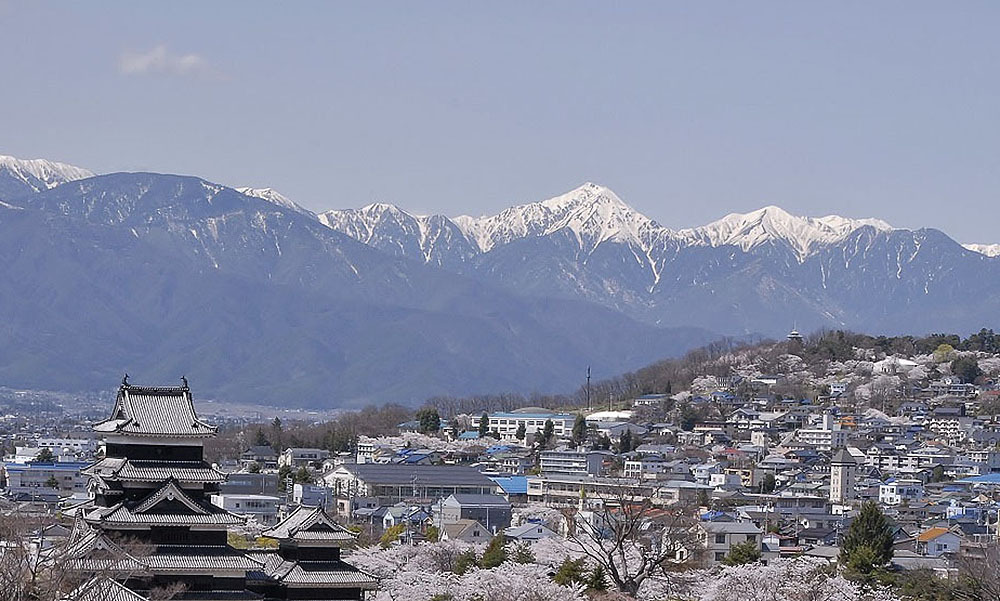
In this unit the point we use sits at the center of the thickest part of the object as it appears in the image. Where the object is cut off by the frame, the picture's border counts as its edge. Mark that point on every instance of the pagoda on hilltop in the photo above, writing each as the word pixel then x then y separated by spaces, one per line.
pixel 150 525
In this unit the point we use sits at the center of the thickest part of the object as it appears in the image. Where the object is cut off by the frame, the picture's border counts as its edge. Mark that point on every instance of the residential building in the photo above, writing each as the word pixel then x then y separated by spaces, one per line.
pixel 392 483
pixel 718 538
pixel 262 508
pixel 492 511
pixel 566 461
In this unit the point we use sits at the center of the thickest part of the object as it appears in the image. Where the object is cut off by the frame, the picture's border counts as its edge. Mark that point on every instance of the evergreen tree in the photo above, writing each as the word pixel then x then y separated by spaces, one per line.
pixel 868 543
pixel 45 455
pixel 521 432
pixel 276 433
pixel 495 553
pixel 303 476
pixel 597 581
pixel 670 387
pixel 739 554
pixel 625 441
pixel 570 572
pixel 768 484
pixel 523 554
pixel 466 561
pixel 430 421
pixel 548 431
pixel 484 425
pixel 259 439
pixel 579 435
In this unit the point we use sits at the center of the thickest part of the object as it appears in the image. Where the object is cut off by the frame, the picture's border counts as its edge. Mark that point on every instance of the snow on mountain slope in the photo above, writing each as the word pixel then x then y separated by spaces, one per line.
pixel 431 238
pixel 35 175
pixel 801 234
pixel 593 213
pixel 273 196
pixel 990 250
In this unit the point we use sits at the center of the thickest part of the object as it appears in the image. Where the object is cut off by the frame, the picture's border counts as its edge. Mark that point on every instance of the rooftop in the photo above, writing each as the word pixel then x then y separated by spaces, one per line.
pixel 155 411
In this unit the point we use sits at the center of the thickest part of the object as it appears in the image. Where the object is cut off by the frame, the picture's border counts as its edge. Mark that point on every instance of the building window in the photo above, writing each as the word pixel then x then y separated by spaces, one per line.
pixel 719 556
pixel 720 539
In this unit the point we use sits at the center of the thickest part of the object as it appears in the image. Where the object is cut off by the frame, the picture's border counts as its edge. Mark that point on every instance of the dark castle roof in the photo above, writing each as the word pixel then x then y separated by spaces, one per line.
pixel 155 411
pixel 310 524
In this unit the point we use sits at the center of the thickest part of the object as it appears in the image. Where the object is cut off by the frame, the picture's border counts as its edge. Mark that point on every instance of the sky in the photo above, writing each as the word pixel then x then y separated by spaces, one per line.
pixel 687 110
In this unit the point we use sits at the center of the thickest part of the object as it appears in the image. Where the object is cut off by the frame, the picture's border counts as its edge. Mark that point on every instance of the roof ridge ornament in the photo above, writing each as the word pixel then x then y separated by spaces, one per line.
pixel 125 379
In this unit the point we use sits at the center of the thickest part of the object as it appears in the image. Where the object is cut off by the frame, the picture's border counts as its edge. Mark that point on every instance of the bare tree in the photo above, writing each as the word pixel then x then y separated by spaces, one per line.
pixel 978 572
pixel 633 541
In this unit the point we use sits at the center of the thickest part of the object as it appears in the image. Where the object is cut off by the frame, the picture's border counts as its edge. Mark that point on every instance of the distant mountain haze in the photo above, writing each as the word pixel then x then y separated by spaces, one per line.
pixel 162 275
pixel 257 299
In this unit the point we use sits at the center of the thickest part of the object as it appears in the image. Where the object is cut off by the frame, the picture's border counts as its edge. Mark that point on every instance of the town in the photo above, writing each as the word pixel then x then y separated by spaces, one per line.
pixel 876 456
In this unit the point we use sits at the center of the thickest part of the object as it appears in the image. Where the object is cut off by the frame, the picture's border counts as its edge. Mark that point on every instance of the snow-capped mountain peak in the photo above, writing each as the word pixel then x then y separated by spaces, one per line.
pixel 990 250
pixel 273 196
pixel 593 213
pixel 37 174
pixel 774 224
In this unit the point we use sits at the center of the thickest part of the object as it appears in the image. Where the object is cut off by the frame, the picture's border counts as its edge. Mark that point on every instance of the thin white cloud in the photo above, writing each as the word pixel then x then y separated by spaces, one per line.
pixel 159 60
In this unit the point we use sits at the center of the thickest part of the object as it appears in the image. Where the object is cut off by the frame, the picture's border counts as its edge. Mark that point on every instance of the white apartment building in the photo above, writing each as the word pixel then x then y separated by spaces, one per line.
pixel 896 492
pixel 506 424
pixel 827 437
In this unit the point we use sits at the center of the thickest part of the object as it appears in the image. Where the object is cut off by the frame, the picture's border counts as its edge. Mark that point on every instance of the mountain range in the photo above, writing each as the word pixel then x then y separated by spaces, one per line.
pixel 258 299
pixel 760 272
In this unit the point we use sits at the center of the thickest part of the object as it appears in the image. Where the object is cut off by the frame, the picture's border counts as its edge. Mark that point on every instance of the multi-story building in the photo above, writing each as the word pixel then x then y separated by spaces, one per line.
pixel 843 470
pixel 828 437
pixel 900 491
pixel 718 538
pixel 507 424
pixel 391 483
pixel 262 508
pixel 45 481
pixel 566 461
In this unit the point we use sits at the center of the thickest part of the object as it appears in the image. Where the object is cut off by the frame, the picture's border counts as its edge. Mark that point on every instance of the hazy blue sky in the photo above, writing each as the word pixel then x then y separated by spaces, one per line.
pixel 689 110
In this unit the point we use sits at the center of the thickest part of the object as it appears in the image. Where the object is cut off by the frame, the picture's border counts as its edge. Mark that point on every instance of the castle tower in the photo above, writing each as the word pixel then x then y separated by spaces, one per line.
pixel 842 476
pixel 153 487
pixel 794 341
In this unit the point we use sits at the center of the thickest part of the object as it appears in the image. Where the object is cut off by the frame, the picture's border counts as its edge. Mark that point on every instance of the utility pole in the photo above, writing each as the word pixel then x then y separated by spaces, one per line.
pixel 588 388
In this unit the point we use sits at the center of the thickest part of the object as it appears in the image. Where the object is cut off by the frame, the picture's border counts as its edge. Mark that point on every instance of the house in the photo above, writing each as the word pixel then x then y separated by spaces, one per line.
pixel 528 533
pixel 898 491
pixel 469 531
pixel 937 541
pixel 264 457
pixel 493 511
pixel 650 400
pixel 718 537
pixel 513 488
pixel 292 457
pixel 262 508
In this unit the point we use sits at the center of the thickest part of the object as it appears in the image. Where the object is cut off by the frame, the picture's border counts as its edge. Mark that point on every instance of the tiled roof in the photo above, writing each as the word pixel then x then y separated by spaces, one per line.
pixel 133 470
pixel 193 511
pixel 931 533
pixel 309 523
pixel 332 574
pixel 121 515
pixel 146 411
pixel 170 491
pixel 103 589
pixel 169 558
